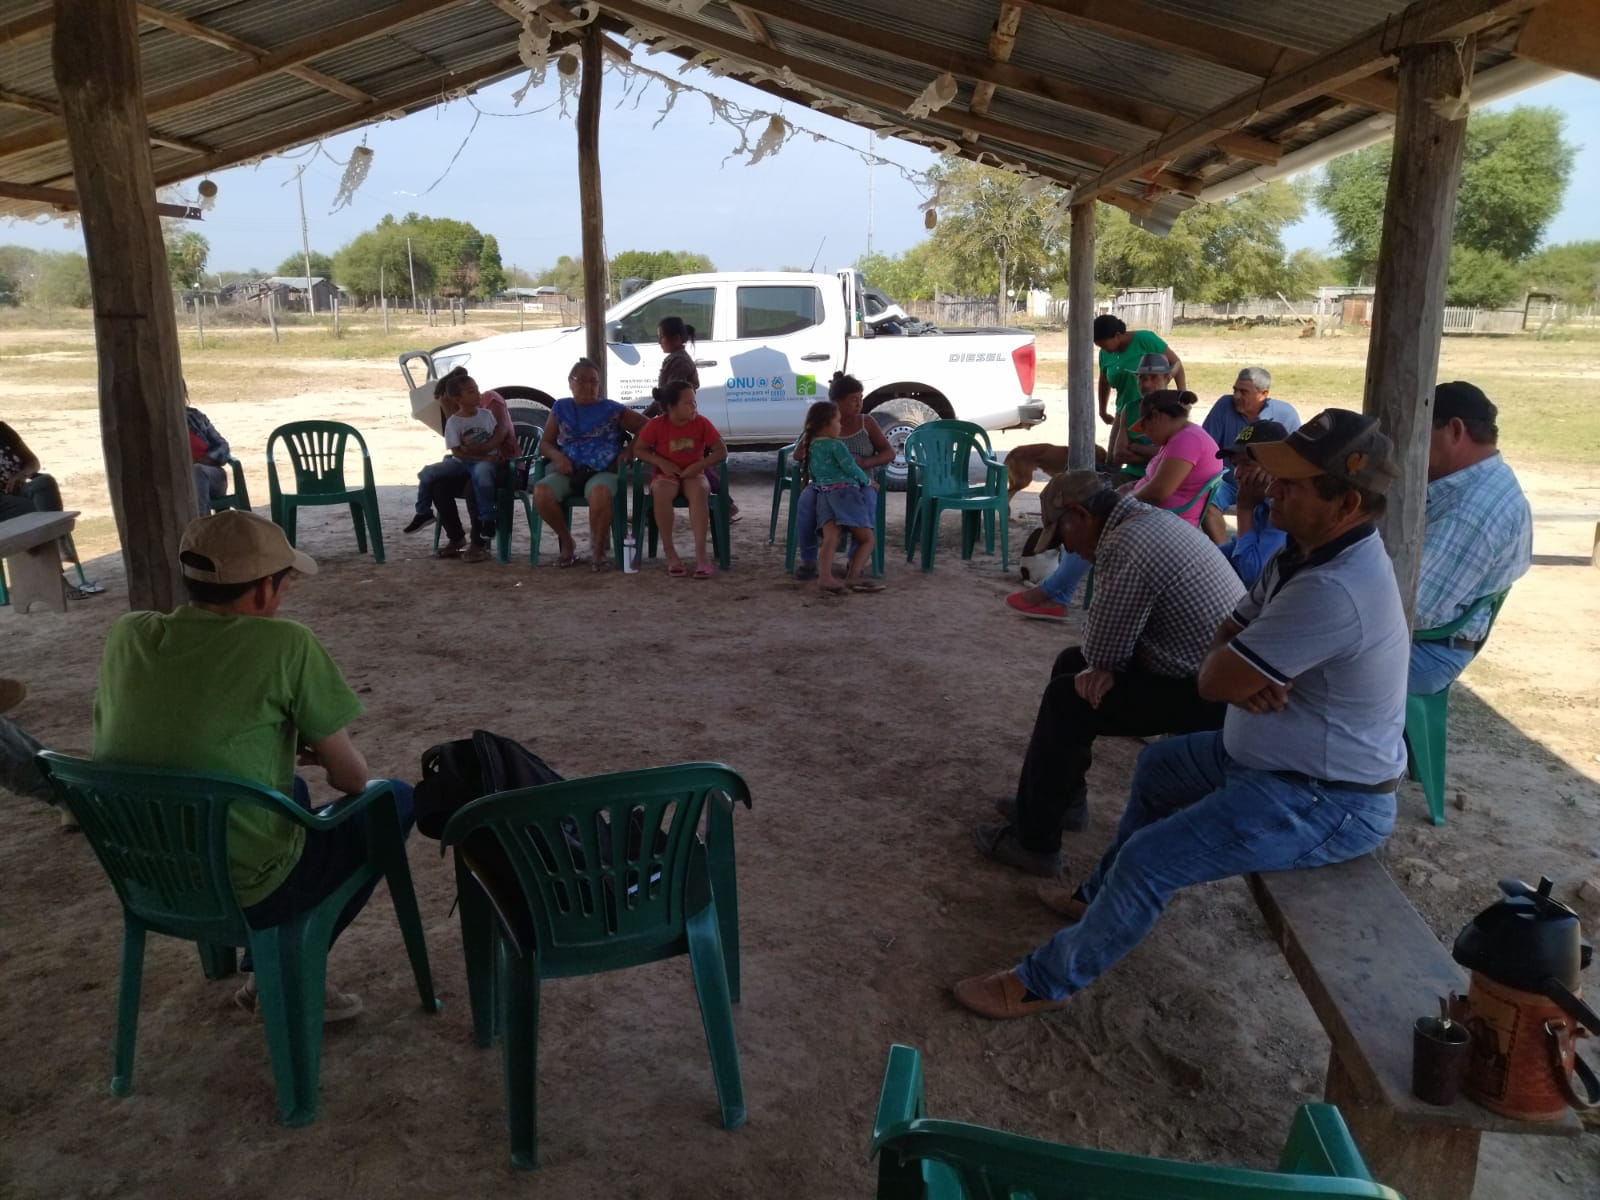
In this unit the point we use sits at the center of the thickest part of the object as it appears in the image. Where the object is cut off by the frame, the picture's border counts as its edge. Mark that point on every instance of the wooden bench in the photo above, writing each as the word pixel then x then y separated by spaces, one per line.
pixel 29 545
pixel 1370 967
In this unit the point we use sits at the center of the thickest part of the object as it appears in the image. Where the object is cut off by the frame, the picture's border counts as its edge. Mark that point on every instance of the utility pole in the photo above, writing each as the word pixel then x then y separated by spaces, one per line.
pixel 410 262
pixel 305 238
pixel 871 159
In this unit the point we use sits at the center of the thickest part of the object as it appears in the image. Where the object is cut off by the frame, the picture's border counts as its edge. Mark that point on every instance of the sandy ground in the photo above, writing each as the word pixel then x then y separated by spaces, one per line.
pixel 872 732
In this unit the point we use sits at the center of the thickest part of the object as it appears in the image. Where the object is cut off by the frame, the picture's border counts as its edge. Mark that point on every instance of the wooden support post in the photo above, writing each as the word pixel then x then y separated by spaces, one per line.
pixel 200 320
pixel 594 241
pixel 272 316
pixel 1080 339
pixel 1408 308
pixel 96 62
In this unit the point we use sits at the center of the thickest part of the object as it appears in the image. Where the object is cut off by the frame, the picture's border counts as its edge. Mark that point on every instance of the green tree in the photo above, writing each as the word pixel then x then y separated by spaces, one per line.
pixel 63 281
pixel 651 265
pixel 295 265
pixel 187 252
pixel 1571 271
pixel 1481 279
pixel 491 271
pixel 518 278
pixel 914 275
pixel 994 233
pixel 19 267
pixel 567 275
pixel 1514 171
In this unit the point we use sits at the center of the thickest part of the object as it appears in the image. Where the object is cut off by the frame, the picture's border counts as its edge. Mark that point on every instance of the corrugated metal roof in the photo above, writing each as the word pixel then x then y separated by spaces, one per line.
pixel 1136 62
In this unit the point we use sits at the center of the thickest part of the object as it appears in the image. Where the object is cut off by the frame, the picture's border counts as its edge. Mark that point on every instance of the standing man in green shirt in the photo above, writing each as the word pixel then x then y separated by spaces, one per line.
pixel 1121 351
pixel 225 686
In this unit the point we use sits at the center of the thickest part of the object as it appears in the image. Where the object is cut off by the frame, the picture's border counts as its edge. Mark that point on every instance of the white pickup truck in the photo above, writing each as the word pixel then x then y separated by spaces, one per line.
pixel 768 342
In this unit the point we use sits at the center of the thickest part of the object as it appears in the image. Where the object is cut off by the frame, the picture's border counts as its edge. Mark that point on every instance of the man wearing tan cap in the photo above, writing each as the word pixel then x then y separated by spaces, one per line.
pixel 1312 666
pixel 222 685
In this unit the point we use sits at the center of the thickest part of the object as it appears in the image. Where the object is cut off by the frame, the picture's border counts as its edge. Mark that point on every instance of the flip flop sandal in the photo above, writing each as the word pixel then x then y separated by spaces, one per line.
pixel 836 590
pixel 867 587
pixel 567 560
pixel 677 570
pixel 600 565
pixel 705 572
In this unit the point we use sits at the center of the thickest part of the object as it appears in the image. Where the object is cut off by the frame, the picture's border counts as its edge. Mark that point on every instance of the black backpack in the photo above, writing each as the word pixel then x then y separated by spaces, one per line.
pixel 456 773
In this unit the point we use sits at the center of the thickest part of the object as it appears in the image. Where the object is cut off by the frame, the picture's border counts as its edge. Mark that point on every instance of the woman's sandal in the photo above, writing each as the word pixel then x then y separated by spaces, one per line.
pixel 677 570
pixel 836 589
pixel 567 560
pixel 599 564
pixel 867 586
pixel 704 571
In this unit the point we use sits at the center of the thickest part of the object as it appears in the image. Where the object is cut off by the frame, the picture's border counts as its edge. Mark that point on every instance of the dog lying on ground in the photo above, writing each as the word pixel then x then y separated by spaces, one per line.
pixel 1022 462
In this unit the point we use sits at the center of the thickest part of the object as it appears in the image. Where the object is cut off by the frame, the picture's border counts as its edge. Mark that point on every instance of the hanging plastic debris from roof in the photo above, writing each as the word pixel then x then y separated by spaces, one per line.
pixel 933 97
pixel 355 174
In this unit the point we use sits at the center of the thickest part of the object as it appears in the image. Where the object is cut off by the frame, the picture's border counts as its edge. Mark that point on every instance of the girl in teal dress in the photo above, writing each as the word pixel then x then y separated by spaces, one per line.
pixel 843 496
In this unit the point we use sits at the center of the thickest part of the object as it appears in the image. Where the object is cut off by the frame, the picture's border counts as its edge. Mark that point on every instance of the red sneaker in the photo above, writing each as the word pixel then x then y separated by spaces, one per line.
pixel 1039 612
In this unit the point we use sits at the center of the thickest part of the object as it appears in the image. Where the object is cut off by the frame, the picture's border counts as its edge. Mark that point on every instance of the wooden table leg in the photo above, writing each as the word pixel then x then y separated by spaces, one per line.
pixel 1421 1162
pixel 36 578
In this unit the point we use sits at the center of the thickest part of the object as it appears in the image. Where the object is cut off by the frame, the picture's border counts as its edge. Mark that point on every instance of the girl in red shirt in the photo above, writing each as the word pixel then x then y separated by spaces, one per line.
pixel 679 445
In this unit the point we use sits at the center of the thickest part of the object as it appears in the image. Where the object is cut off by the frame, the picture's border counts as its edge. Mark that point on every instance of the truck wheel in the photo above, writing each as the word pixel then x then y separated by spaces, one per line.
pixel 897 418
pixel 527 406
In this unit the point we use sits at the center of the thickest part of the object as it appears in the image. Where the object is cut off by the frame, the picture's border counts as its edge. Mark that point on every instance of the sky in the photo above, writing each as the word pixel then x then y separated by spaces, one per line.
pixel 512 171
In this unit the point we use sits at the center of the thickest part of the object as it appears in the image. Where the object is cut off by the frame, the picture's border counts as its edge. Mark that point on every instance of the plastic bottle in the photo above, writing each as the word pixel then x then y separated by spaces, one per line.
pixel 630 554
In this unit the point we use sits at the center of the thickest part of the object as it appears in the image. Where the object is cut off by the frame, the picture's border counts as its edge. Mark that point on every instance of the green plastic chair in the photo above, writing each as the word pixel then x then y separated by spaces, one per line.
pixel 787 483
pixel 1203 498
pixel 316 451
pixel 937 454
pixel 1427 717
pixel 240 496
pixel 162 838
pixel 513 486
pixel 619 511
pixel 920 1157
pixel 594 875
pixel 637 478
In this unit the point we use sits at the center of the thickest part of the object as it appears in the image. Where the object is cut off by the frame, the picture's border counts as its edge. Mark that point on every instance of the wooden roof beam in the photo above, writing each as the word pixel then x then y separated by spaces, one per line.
pixel 295 54
pixel 213 37
pixel 1189 37
pixel 1564 34
pixel 67 201
pixel 1378 48
pixel 849 84
pixel 43 108
pixel 25 29
pixel 1002 40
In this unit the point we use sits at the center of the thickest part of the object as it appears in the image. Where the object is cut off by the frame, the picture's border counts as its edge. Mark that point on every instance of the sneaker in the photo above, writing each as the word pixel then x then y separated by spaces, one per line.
pixel 999 842
pixel 1074 818
pixel 477 552
pixel 421 521
pixel 1038 612
pixel 804 571
pixel 336 1005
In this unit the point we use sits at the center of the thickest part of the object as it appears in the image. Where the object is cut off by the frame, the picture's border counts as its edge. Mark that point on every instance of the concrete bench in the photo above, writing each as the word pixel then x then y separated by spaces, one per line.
pixel 1370 967
pixel 29 546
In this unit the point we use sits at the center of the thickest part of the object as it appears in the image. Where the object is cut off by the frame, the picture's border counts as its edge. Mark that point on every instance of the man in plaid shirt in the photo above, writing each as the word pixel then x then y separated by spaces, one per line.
pixel 1160 591
pixel 1479 537
pixel 1312 667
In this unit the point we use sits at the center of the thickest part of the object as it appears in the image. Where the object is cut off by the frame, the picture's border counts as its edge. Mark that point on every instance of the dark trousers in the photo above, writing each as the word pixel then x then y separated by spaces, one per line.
pixel 1051 790
pixel 445 490
pixel 325 863
pixel 39 494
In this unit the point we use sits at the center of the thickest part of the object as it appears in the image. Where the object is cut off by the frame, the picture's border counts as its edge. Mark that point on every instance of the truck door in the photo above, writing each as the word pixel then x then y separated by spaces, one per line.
pixel 635 354
pixel 782 354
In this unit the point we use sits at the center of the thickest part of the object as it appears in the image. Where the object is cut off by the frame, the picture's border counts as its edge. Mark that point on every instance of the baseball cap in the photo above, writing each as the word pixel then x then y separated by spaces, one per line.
pixel 1345 445
pixel 238 547
pixel 1256 431
pixel 1153 364
pixel 1462 399
pixel 1064 490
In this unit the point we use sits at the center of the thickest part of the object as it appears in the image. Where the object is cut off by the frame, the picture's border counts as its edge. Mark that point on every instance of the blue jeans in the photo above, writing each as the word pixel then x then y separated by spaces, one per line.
pixel 483 484
pixel 326 862
pixel 1195 816
pixel 1434 667
pixel 805 523
pixel 1063 581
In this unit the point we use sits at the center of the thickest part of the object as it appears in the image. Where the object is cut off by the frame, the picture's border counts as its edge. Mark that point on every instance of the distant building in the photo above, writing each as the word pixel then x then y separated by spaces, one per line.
pixel 289 291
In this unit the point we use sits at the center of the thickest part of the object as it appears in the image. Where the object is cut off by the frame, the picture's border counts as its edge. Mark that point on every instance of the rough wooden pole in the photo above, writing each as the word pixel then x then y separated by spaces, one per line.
pixel 1080 339
pixel 1413 260
pixel 594 241
pixel 96 61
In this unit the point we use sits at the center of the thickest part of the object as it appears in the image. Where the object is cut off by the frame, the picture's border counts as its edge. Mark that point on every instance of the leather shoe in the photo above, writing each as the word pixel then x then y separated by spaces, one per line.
pixel 1075 819
pixel 1061 899
pixel 1001 996
pixel 999 842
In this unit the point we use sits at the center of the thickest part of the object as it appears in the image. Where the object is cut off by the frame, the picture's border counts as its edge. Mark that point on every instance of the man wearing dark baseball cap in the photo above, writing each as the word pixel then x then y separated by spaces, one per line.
pixel 1479 535
pixel 222 685
pixel 1312 667
pixel 1257 539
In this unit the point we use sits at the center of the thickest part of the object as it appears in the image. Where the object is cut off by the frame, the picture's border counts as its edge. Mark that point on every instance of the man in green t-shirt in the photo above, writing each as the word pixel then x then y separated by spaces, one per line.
pixel 223 685
pixel 1121 352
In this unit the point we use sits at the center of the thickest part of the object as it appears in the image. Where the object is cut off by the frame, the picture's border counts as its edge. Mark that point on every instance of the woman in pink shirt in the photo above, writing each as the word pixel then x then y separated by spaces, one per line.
pixel 1186 456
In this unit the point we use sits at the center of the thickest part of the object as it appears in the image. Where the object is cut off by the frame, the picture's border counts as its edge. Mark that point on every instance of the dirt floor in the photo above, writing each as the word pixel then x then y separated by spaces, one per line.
pixel 872 730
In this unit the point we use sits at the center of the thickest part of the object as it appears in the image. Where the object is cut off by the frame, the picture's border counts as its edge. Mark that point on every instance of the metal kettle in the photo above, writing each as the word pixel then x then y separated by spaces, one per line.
pixel 1526 940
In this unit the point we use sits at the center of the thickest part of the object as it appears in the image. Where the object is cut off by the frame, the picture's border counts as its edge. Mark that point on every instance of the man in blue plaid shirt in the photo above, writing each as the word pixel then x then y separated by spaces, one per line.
pixel 1479 537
